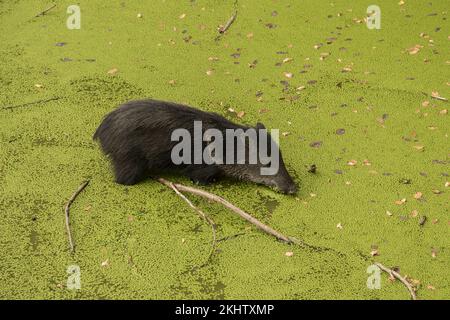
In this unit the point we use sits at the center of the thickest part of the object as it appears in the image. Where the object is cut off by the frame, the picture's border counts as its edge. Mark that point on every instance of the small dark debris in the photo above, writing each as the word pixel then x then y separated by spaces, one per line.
pixel 312 168
pixel 422 220
pixel 315 144
pixel 340 131
pixel 405 181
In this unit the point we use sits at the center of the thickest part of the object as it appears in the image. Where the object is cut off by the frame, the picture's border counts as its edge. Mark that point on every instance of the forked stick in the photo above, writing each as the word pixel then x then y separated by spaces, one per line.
pixel 66 212
pixel 201 214
pixel 399 277
pixel 228 205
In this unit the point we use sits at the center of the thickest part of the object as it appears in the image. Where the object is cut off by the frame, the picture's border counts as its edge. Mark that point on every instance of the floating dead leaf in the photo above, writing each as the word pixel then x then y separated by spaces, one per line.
pixel 112 71
pixel 289 254
pixel 318 46
pixel 366 162
pixel 430 287
pixel 312 195
pixel 352 163
pixel 426 103
pixel 288 75
pixel 240 114
pixel 172 82
pixel 340 131
pixel 346 69
pixel 263 110
pixel 414 213
pixel 286 60
pixel 139 15
pixel 39 86
pixel 87 208
pixel 401 3
pixel 436 191
pixel 213 59
pixel 433 253
pixel 400 202
pixel 389 213
pixel 285 134
pixel 415 49
pixel 105 263
pixel 374 252
pixel 250 35
pixel 209 72
pixel 339 226
pixel 443 112
pixel 301 88
pixel 418 195
pixel 182 16
pixel 419 147
pixel 447 184
pixel 253 64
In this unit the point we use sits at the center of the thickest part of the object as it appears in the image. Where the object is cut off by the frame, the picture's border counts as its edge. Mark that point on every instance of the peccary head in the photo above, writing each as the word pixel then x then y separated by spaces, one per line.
pixel 263 162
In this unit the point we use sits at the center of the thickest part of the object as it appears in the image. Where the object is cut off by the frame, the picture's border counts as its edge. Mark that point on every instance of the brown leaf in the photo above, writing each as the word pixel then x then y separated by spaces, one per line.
pixel 418 195
pixel 113 71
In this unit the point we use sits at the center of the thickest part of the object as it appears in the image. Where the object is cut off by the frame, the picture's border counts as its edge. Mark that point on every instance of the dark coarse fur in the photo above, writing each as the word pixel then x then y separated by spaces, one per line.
pixel 137 137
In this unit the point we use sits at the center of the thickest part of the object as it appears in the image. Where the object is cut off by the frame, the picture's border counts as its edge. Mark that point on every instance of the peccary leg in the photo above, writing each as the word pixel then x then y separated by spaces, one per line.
pixel 129 170
pixel 202 174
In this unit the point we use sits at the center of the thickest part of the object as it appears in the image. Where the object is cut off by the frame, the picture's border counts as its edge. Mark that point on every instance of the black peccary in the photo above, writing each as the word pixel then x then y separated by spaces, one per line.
pixel 137 137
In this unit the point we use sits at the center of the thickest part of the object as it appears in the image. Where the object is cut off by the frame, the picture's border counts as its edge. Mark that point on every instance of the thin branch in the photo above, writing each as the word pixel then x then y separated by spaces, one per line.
pixel 66 211
pixel 223 29
pixel 30 103
pixel 201 214
pixel 230 206
pixel 399 277
pixel 45 11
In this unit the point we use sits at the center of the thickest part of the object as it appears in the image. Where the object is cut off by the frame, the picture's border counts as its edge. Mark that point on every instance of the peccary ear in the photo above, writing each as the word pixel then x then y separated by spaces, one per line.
pixel 260 126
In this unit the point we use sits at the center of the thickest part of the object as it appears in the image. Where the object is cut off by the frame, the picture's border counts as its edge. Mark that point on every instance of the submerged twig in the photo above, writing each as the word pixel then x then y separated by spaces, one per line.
pixel 67 216
pixel 232 207
pixel 231 236
pixel 399 277
pixel 45 11
pixel 31 103
pixel 200 213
